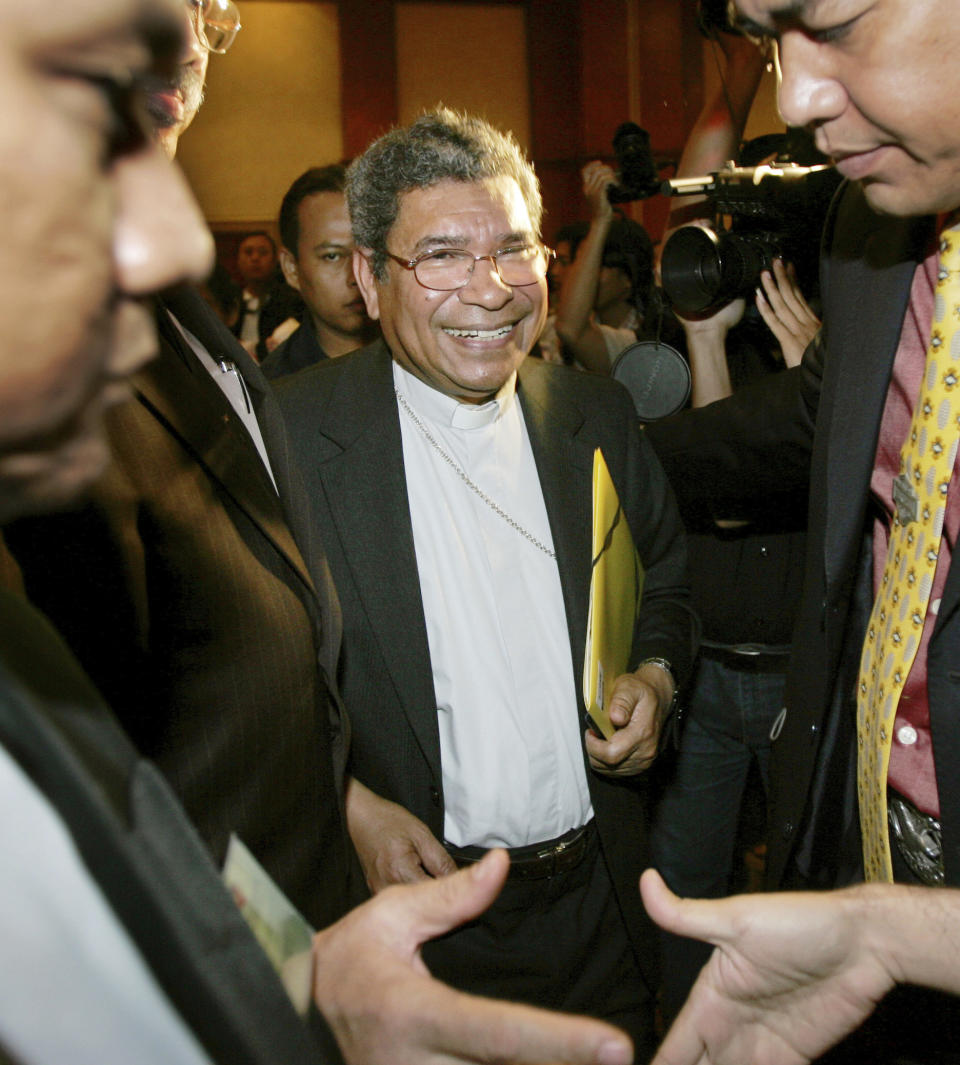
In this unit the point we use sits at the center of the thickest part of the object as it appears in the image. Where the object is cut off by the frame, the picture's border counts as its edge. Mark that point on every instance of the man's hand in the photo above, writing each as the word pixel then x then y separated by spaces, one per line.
pixel 786 312
pixel 638 704
pixel 792 974
pixel 385 1009
pixel 597 178
pixel 394 847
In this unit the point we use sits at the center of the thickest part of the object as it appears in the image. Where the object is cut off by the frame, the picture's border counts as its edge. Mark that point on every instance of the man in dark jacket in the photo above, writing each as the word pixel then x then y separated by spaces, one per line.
pixel 849 798
pixel 317 260
pixel 451 480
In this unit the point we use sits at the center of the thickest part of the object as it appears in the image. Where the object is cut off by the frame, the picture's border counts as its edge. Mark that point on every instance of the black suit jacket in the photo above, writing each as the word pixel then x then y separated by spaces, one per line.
pixel 827 413
pixel 134 840
pixel 344 423
pixel 300 350
pixel 210 631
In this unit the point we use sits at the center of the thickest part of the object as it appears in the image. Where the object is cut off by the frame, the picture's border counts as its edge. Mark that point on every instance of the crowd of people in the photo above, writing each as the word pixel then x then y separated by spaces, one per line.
pixel 335 607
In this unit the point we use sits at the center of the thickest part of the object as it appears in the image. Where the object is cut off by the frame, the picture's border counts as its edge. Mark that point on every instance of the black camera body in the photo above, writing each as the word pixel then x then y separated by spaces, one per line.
pixel 759 214
pixel 636 173
pixel 713 17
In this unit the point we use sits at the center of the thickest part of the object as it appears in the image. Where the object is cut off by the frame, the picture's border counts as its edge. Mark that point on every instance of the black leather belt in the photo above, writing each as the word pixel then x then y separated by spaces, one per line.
pixel 537 861
pixel 748 657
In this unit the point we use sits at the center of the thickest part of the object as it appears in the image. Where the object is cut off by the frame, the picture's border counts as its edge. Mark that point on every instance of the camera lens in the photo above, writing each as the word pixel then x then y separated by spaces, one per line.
pixel 637 177
pixel 701 270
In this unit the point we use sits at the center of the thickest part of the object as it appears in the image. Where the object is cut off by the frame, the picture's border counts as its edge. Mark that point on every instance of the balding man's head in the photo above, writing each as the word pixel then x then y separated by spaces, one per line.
pixel 94 218
pixel 173 100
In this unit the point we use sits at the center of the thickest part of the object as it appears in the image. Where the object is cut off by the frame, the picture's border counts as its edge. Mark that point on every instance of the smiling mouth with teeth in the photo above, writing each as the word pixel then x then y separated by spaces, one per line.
pixel 480 334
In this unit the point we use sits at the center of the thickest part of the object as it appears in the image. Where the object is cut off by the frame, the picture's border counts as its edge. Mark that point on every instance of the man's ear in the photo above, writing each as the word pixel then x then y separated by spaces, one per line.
pixel 288 264
pixel 363 272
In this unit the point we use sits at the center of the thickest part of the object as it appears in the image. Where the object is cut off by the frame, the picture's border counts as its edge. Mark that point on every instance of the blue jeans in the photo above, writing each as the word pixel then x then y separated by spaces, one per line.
pixel 729 716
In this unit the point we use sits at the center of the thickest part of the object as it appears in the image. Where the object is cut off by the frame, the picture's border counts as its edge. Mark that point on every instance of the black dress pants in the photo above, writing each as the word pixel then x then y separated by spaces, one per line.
pixel 559 942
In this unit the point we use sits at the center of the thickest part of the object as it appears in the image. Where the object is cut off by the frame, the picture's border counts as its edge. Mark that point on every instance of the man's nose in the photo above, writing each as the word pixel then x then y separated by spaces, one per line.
pixel 160 236
pixel 485 285
pixel 809 93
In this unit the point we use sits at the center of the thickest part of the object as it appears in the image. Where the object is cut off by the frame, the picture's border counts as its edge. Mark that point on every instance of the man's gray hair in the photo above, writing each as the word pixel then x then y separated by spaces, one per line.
pixel 439 146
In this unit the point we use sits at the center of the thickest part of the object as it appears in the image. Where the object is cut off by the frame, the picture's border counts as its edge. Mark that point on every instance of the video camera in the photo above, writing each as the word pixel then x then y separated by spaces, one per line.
pixel 636 172
pixel 713 17
pixel 759 213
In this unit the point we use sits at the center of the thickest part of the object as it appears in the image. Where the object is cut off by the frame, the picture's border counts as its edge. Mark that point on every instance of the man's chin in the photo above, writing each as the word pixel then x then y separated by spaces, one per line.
pixel 882 199
pixel 911 199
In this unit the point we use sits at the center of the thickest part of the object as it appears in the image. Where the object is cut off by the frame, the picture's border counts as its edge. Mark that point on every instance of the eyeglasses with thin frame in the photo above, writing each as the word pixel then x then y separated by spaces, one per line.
pixel 447 269
pixel 215 22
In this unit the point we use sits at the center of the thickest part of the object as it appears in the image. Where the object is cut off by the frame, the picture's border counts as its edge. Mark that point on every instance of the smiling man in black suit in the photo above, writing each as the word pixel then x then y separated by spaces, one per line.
pixel 451 480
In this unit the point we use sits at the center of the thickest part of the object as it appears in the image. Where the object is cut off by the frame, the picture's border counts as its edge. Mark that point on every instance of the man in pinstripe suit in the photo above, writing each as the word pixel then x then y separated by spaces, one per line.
pixel 181 587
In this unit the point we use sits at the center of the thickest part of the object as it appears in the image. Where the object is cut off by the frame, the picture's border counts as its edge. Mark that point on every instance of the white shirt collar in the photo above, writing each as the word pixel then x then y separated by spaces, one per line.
pixel 442 409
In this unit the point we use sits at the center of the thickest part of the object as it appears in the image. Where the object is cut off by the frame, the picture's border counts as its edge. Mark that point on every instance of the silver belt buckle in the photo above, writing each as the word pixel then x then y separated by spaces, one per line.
pixel 548 852
pixel 918 838
pixel 556 849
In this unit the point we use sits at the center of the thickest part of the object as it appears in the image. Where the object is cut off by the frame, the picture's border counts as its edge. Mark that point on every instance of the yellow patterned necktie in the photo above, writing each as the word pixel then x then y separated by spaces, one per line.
pixel 900 609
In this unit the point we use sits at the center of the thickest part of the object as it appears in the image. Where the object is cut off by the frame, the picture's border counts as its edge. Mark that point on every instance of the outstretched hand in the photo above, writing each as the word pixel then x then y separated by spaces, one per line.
pixel 384 1008
pixel 791 975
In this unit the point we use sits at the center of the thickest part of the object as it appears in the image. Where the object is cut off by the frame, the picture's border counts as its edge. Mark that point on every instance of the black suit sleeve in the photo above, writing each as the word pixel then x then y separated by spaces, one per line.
pixel 747 456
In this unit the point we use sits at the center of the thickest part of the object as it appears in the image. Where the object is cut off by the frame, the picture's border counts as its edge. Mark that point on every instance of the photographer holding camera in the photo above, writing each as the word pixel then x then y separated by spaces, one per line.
pixel 608 290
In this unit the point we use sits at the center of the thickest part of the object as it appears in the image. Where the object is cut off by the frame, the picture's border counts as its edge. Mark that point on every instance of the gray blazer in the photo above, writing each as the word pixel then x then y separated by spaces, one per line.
pixel 200 604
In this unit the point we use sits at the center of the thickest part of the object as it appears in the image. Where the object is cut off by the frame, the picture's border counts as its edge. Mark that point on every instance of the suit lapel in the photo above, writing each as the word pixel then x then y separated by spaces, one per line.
pixel 365 487
pixel 565 467
pixel 189 307
pixel 865 334
pixel 134 839
pixel 208 426
pixel 305 548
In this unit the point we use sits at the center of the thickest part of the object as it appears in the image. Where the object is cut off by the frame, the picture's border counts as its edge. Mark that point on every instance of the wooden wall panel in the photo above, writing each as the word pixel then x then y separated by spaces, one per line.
pixel 595 64
pixel 368 71
pixel 272 109
pixel 555 59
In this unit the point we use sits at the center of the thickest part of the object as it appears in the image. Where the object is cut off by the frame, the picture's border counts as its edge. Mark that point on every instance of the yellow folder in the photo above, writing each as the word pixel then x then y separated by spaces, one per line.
pixel 616 586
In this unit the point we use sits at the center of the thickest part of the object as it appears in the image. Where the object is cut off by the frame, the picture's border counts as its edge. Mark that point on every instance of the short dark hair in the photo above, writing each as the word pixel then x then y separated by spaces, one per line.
pixel 439 146
pixel 628 248
pixel 330 178
pixel 571 233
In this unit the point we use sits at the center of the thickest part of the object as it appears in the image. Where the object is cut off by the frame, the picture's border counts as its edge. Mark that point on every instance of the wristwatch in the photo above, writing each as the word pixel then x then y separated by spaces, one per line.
pixel 673 710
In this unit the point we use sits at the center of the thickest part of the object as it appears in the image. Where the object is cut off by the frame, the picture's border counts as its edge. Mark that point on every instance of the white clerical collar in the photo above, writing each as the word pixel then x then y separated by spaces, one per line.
pixel 442 409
